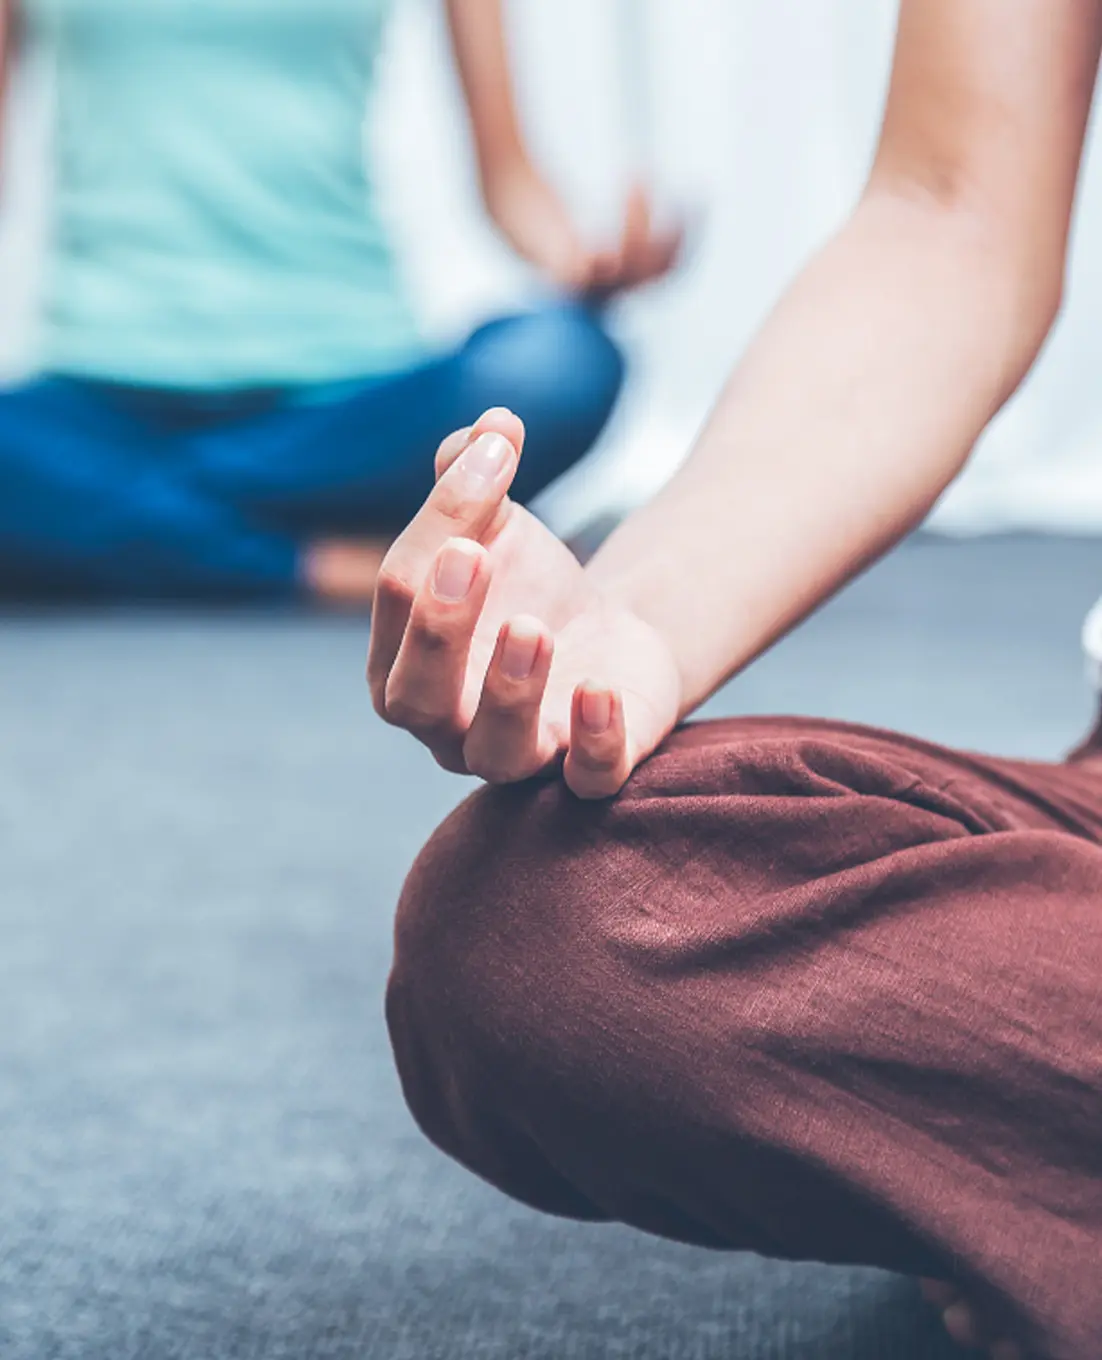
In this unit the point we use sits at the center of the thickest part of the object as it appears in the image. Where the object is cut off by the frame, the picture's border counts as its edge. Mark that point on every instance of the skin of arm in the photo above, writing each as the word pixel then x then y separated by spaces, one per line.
pixel 478 43
pixel 861 398
pixel 7 50
pixel 521 203
pixel 852 410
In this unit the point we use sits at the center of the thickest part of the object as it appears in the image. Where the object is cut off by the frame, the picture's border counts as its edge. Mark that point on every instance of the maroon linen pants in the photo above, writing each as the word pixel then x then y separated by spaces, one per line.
pixel 805 988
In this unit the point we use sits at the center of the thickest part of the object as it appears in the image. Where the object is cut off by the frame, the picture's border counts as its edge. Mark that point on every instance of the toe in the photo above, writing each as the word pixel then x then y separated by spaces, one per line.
pixel 963 1325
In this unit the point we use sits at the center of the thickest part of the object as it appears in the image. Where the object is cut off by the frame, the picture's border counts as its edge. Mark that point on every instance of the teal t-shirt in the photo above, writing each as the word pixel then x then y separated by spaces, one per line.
pixel 213 223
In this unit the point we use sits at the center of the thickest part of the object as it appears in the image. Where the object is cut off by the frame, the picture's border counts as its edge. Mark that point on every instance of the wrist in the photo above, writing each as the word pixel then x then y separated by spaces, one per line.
pixel 646 589
pixel 532 219
pixel 647 666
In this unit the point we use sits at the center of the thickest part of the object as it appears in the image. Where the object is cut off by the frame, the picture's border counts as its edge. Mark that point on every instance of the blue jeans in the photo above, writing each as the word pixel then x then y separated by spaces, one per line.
pixel 133 493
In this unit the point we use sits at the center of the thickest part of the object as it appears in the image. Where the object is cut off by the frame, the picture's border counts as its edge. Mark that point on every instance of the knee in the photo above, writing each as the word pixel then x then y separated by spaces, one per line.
pixel 532 922
pixel 521 900
pixel 489 972
pixel 541 945
pixel 583 365
pixel 557 367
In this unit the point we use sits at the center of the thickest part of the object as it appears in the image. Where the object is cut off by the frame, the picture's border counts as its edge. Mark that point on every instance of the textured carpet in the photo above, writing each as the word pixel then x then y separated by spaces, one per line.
pixel 202 1146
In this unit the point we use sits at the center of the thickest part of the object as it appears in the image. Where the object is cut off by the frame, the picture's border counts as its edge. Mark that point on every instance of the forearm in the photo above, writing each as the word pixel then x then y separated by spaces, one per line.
pixel 481 57
pixel 7 45
pixel 852 411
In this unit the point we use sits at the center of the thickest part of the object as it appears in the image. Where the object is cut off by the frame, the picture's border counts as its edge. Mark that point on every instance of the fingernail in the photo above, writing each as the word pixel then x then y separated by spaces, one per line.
pixel 518 656
pixel 483 461
pixel 454 574
pixel 596 710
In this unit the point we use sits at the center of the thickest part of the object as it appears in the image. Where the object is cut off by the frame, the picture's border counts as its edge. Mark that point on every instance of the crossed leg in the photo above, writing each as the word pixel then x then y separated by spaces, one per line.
pixel 805 989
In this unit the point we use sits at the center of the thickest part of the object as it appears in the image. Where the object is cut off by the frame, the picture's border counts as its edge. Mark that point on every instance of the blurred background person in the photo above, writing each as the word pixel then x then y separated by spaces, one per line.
pixel 225 342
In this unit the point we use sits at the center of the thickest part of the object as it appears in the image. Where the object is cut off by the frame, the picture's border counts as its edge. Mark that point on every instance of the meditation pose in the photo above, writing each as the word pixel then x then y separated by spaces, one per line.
pixel 786 985
pixel 232 391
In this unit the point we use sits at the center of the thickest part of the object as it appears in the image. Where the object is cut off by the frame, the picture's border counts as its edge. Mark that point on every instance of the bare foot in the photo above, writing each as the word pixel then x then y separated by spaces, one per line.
pixel 964 1323
pixel 342 572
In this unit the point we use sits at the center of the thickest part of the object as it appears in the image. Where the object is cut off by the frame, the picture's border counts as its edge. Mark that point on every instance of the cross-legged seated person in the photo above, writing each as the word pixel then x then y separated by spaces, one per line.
pixel 231 374
pixel 787 985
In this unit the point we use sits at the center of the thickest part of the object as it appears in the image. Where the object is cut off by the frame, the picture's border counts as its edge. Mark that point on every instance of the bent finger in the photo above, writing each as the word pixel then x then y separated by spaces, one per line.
pixel 465 503
pixel 424 692
pixel 506 743
pixel 597 761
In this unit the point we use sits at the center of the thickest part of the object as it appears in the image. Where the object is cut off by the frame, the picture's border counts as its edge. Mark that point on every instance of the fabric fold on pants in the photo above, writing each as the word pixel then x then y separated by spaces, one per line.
pixel 806 989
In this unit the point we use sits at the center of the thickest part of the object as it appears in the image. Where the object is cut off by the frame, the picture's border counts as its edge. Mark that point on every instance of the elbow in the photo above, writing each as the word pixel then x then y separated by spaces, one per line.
pixel 1033 295
pixel 1029 258
pixel 1001 262
pixel 1042 307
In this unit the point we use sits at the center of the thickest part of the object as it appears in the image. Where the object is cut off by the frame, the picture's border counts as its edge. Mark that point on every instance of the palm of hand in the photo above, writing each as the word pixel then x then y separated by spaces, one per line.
pixel 533 218
pixel 535 574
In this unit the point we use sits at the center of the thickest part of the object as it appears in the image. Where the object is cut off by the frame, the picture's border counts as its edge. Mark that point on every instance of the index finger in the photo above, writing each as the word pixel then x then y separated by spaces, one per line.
pixel 465 503
pixel 498 419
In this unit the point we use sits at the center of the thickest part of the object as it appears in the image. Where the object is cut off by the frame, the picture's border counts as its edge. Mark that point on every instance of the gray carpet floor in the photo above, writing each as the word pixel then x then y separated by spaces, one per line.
pixel 203 1151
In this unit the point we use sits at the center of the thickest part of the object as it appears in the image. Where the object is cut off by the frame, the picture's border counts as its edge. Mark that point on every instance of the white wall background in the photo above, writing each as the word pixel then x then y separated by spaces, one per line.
pixel 760 119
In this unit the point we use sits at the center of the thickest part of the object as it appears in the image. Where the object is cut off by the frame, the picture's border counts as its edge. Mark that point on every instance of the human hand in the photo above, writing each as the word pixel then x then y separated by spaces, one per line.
pixel 491 645
pixel 534 221
pixel 643 254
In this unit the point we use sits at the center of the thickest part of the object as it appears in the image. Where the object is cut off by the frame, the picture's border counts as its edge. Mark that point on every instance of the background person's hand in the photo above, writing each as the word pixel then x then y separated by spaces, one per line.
pixel 491 645
pixel 534 221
